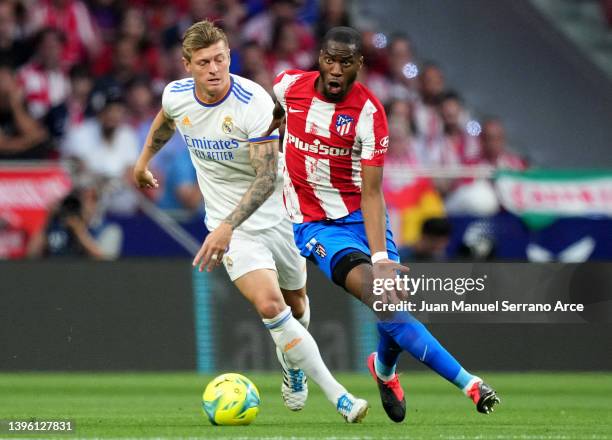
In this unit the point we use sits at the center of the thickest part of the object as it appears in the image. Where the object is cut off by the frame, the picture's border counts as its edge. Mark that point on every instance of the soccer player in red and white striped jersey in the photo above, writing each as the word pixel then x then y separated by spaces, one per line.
pixel 329 142
pixel 335 139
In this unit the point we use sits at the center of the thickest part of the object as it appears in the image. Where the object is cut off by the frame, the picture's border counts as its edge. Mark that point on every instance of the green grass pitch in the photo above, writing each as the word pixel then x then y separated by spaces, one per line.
pixel 150 405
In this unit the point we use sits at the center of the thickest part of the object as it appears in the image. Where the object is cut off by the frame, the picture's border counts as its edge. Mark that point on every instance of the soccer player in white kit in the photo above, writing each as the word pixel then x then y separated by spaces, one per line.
pixel 222 119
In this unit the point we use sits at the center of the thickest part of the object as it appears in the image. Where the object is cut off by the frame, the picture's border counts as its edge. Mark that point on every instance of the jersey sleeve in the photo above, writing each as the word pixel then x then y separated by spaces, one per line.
pixel 282 83
pixel 373 134
pixel 259 118
pixel 169 99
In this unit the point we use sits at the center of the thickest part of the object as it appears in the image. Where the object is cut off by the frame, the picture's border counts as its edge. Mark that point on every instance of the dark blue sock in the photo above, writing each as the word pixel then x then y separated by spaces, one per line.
pixel 412 336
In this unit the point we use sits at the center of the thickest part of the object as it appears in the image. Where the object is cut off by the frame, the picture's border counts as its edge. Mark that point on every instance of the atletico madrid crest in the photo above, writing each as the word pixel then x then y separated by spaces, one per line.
pixel 320 250
pixel 343 124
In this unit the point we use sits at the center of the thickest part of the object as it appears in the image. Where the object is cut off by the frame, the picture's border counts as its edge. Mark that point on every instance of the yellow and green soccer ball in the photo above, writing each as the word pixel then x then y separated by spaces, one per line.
pixel 231 399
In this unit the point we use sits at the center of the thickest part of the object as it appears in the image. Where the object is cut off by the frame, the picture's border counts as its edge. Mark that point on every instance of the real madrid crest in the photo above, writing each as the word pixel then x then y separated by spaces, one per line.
pixel 228 125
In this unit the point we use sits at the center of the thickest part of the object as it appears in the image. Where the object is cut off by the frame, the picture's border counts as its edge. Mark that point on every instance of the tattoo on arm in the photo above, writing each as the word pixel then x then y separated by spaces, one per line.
pixel 264 159
pixel 162 135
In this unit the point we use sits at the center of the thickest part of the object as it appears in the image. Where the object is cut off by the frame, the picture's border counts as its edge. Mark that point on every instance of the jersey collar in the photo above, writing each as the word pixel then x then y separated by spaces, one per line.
pixel 216 103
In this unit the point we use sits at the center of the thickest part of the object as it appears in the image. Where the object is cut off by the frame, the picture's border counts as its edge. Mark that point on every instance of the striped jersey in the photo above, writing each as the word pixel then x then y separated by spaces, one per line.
pixel 325 146
pixel 218 137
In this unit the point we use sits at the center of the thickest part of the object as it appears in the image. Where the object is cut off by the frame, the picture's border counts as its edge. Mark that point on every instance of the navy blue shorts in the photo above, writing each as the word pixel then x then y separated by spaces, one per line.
pixel 325 242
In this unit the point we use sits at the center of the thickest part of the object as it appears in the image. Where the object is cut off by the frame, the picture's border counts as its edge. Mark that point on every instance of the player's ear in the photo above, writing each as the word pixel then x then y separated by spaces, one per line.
pixel 360 62
pixel 186 65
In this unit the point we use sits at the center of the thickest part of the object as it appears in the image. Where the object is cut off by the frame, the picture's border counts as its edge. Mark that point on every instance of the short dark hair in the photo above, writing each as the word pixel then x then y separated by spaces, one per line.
pixel 42 34
pixel 343 34
pixel 437 227
pixel 451 95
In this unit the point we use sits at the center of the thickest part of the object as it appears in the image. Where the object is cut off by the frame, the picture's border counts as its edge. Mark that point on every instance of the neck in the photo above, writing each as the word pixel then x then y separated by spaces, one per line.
pixel 208 97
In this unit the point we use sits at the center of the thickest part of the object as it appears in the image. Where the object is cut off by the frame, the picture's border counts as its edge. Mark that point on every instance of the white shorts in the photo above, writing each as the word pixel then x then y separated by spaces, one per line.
pixel 271 248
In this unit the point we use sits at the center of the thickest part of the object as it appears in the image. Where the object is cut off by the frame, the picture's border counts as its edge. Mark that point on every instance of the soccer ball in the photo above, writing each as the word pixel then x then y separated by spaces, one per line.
pixel 231 399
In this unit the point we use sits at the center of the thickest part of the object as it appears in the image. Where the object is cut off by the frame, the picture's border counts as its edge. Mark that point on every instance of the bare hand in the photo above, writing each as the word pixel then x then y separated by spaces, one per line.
pixel 388 269
pixel 145 178
pixel 215 245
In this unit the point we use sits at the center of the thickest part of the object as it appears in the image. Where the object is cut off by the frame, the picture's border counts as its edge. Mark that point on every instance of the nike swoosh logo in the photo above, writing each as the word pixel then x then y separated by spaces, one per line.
pixel 294 110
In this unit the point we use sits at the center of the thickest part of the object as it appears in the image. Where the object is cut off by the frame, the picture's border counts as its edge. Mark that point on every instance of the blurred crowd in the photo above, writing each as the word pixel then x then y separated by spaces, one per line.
pixel 81 80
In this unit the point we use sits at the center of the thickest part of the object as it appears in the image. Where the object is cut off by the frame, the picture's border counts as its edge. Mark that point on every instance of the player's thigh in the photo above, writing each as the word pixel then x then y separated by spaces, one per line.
pixel 290 265
pixel 260 288
pixel 358 282
pixel 250 265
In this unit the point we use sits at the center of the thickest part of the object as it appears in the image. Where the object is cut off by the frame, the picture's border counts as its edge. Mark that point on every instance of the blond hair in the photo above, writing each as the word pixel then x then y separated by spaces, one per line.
pixel 201 35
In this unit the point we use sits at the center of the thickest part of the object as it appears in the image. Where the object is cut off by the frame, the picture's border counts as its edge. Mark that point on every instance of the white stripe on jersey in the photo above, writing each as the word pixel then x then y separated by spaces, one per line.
pixel 356 164
pixel 319 117
pixel 318 176
pixel 281 88
pixel 365 130
pixel 292 202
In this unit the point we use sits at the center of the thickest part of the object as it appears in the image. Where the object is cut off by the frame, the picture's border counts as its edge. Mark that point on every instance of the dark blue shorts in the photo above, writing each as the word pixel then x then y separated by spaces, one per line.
pixel 325 242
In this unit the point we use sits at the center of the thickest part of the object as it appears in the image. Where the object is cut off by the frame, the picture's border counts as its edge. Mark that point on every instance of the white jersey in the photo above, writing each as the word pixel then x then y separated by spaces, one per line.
pixel 218 137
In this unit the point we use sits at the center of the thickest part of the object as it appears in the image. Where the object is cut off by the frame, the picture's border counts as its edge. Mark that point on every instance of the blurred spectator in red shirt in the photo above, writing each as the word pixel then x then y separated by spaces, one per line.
pixel 403 142
pixel 460 146
pixel 374 51
pixel 494 150
pixel 73 18
pixel 45 83
pixel 429 124
pixel 477 196
pixel 13 49
pixel 402 68
pixel 376 82
pixel 21 136
pixel 286 52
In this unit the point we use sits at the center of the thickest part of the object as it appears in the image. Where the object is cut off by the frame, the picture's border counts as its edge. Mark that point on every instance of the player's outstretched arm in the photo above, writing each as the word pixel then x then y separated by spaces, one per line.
pixel 373 208
pixel 375 220
pixel 264 159
pixel 160 132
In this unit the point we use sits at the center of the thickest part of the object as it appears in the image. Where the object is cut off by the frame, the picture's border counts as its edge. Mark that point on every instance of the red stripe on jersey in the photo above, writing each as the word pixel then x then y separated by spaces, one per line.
pixel 326 144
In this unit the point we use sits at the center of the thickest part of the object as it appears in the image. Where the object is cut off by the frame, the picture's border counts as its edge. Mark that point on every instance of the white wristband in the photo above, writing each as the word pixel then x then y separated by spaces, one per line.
pixel 379 256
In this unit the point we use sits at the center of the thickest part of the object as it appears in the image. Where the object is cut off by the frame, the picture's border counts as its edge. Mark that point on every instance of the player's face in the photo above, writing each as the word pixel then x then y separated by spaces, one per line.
pixel 210 68
pixel 339 64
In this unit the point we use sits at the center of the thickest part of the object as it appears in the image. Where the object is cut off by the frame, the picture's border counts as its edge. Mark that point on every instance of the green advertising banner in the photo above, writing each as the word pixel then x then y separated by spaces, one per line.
pixel 539 197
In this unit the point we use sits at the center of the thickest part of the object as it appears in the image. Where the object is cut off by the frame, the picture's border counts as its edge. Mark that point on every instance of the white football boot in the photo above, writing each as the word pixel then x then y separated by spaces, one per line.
pixel 351 408
pixel 294 388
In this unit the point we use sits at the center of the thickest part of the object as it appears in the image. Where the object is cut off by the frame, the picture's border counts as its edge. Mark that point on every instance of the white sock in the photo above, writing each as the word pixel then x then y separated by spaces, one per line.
pixel 305 318
pixel 301 351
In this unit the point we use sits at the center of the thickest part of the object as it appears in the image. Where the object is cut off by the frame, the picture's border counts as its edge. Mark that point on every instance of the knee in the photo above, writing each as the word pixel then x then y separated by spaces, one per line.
pixel 270 308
